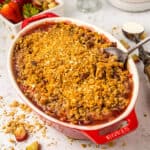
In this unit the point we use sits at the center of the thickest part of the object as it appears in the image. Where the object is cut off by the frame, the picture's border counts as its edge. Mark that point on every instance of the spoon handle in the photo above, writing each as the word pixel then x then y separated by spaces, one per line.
pixel 139 44
pixel 144 57
pixel 142 53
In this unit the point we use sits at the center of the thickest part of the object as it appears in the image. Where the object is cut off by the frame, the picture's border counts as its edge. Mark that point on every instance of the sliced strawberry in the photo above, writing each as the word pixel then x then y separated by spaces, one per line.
pixel 12 12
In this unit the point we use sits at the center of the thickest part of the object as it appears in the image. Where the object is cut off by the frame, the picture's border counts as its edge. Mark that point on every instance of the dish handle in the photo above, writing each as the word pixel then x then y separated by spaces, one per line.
pixel 37 17
pixel 96 136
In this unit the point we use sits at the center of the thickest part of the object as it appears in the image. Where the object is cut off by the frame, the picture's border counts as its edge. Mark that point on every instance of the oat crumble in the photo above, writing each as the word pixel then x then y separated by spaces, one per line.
pixel 65 71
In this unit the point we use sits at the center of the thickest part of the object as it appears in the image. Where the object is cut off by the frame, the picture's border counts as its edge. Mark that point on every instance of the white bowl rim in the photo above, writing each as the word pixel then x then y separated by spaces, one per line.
pixel 132 68
pixel 60 4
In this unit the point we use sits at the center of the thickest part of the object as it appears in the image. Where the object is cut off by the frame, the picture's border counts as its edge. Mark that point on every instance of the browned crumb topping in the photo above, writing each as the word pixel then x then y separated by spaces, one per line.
pixel 65 71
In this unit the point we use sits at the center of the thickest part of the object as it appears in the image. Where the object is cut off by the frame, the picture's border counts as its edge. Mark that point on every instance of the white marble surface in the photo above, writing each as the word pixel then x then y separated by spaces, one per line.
pixel 106 18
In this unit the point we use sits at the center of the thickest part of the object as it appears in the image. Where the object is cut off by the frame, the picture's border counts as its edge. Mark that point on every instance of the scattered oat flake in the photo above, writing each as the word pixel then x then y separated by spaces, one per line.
pixel 12 148
pixel 124 144
pixel 52 143
pixel 97 145
pixel 71 140
pixel 12 113
pixel 12 140
pixel 14 104
pixel 25 108
pixel 19 117
pixel 124 43
pixel 135 58
pixel 84 145
pixel 1 97
pixel 103 148
pixel 111 144
pixel 12 37
pixel 114 28
pixel 143 36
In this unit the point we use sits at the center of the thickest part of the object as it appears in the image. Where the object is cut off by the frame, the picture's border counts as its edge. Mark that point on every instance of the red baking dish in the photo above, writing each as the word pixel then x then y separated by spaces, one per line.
pixel 99 133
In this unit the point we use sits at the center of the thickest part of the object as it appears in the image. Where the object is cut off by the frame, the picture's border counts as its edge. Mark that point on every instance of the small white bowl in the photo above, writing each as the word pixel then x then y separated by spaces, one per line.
pixel 15 28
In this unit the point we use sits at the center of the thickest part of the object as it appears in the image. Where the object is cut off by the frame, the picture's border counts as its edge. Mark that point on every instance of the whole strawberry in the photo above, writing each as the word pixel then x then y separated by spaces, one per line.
pixel 11 11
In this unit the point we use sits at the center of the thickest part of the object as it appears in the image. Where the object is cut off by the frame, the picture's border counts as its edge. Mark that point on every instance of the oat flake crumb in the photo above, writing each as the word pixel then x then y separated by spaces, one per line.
pixel 84 145
pixel 124 144
pixel 111 144
pixel 145 115
pixel 12 140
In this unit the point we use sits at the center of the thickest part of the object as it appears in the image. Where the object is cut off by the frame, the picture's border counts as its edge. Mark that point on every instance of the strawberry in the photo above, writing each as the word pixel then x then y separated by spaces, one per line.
pixel 1 1
pixel 12 12
pixel 22 2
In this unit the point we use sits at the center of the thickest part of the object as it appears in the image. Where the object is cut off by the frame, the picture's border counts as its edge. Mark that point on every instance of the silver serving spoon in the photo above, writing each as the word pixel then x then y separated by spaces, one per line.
pixel 123 56
pixel 133 32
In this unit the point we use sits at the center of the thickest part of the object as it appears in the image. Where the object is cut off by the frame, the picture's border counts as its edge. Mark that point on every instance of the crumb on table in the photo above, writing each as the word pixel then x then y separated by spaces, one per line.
pixel 112 144
pixel 124 144
pixel 145 115
pixel 135 58
pixel 84 145
pixel 124 43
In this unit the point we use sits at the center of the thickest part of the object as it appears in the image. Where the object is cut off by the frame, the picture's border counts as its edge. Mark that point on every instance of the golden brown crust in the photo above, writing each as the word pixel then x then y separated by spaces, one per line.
pixel 65 72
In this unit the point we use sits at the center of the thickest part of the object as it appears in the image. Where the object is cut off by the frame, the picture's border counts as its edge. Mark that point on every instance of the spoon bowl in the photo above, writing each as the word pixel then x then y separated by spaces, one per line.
pixel 123 56
pixel 138 29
